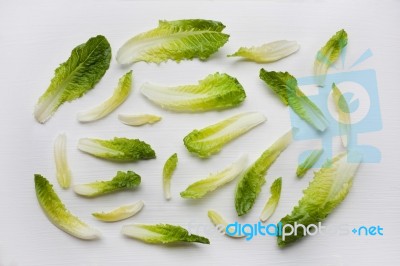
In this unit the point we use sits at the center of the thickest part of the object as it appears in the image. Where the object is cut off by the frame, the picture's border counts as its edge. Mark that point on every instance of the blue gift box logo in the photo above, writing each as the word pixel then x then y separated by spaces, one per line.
pixel 360 91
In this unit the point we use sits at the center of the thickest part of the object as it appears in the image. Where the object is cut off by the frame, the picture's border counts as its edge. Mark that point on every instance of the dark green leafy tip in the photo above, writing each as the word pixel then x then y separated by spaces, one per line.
pixel 173 233
pixel 170 166
pixel 308 162
pixel 276 187
pixel 193 24
pixel 84 68
pixel 332 49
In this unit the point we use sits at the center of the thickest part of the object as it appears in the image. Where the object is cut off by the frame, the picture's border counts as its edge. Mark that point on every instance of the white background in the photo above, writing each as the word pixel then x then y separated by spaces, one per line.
pixel 37 36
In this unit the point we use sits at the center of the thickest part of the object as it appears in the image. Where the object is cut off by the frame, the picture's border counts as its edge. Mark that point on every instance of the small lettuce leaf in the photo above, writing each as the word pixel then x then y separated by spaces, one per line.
pixel 210 140
pixel 176 40
pixel 285 86
pixel 220 223
pixel 161 234
pixel 200 188
pixel 272 203
pixel 344 115
pixel 249 185
pixel 105 108
pixel 117 149
pixel 84 68
pixel 325 192
pixel 215 92
pixel 328 54
pixel 268 52
pixel 58 214
pixel 122 181
pixel 60 155
pixel 168 170
pixel 308 162
pixel 138 120
pixel 120 213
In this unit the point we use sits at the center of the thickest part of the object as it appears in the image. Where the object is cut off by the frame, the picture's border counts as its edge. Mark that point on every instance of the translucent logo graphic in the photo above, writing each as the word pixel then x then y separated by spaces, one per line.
pixel 360 90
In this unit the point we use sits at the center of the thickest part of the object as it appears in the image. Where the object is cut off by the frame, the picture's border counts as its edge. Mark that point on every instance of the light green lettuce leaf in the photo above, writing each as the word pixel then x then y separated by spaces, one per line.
pixel 272 203
pixel 285 86
pixel 308 162
pixel 210 140
pixel 215 92
pixel 161 233
pixel 325 192
pixel 176 40
pixel 328 54
pixel 105 108
pixel 84 68
pixel 58 214
pixel 168 170
pixel 120 213
pixel 139 119
pixel 344 115
pixel 268 52
pixel 251 182
pixel 60 155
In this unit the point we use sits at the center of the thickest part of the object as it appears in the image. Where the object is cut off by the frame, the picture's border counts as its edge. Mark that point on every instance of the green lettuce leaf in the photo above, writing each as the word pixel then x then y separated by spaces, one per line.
pixel 220 223
pixel 272 203
pixel 215 92
pixel 168 170
pixel 58 214
pixel 120 213
pixel 176 40
pixel 117 149
pixel 249 185
pixel 308 162
pixel 105 108
pixel 138 120
pixel 344 115
pixel 84 68
pixel 325 192
pixel 285 86
pixel 210 140
pixel 122 181
pixel 328 54
pixel 268 52
pixel 161 233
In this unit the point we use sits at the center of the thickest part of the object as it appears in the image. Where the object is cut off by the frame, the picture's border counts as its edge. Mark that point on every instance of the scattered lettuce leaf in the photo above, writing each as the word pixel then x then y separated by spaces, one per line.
pixel 168 170
pixel 161 233
pixel 249 185
pixel 117 149
pixel 84 68
pixel 326 191
pixel 285 86
pixel 63 172
pixel 122 181
pixel 344 115
pixel 200 188
pixel 268 52
pixel 308 162
pixel 210 140
pixel 120 213
pixel 138 120
pixel 58 214
pixel 328 54
pixel 272 203
pixel 105 108
pixel 221 224
pixel 215 92
pixel 176 40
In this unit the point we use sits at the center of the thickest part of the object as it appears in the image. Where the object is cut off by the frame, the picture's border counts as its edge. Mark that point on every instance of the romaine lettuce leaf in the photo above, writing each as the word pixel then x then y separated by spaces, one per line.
pixel 168 170
pixel 272 203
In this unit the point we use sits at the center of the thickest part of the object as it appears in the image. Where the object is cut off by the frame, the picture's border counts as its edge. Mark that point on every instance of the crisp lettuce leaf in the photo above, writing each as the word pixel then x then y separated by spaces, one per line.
pixel 168 170
pixel 138 120
pixel 120 213
pixel 285 86
pixel 200 188
pixel 325 192
pixel 176 40
pixel 272 203
pixel 328 54
pixel 122 181
pixel 105 108
pixel 60 155
pixel 210 140
pixel 308 162
pixel 161 233
pixel 344 115
pixel 249 185
pixel 117 149
pixel 268 52
pixel 84 68
pixel 220 223
pixel 58 214
pixel 215 92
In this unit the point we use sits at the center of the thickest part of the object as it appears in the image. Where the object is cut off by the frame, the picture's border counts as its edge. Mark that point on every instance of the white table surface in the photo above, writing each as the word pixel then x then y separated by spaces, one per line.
pixel 37 36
